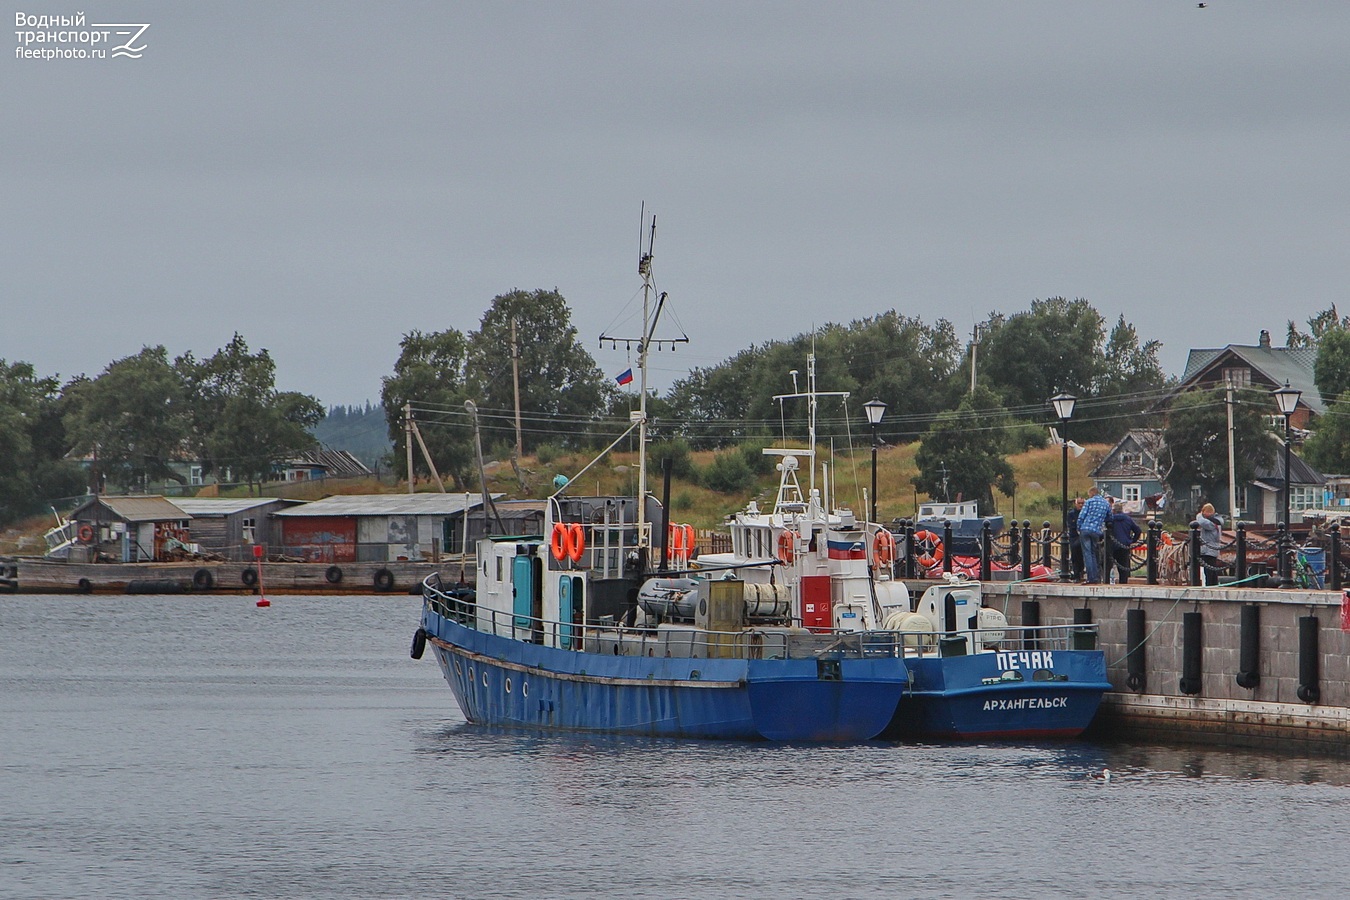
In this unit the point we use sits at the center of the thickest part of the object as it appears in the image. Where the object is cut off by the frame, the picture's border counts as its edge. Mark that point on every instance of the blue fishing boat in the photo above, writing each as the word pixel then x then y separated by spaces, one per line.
pixel 581 628
pixel 975 677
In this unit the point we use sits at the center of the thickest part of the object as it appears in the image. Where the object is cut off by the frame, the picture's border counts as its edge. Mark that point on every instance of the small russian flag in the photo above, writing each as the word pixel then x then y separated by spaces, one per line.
pixel 846 549
pixel 625 377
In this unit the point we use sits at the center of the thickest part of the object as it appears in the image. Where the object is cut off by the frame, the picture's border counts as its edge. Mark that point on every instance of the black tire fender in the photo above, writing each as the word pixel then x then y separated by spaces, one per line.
pixel 249 576
pixel 419 644
pixel 384 580
pixel 333 575
pixel 203 580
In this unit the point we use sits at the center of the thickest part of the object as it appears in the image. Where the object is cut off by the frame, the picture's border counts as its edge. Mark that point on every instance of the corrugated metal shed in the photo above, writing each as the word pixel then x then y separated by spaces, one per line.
pixel 225 506
pixel 137 508
pixel 387 505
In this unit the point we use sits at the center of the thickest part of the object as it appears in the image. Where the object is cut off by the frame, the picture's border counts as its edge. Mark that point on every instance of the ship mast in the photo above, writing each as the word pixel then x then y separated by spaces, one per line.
pixel 812 401
pixel 644 344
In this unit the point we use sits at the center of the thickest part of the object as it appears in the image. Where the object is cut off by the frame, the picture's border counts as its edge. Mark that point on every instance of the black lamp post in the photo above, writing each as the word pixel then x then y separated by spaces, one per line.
pixel 1063 403
pixel 875 409
pixel 1286 398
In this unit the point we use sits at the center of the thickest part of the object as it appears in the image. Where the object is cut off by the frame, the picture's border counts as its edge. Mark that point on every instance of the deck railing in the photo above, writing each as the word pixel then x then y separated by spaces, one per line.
pixel 750 643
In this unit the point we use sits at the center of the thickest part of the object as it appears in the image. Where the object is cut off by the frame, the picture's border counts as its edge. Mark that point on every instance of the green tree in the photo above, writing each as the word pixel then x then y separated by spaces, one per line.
pixel 32 444
pixel 429 376
pixel 1319 326
pixel 1061 345
pixel 239 423
pixel 1328 449
pixel 962 453
pixel 1331 371
pixel 728 473
pixel 1196 440
pixel 561 388
pixel 132 417
pixel 1055 346
pixel 892 357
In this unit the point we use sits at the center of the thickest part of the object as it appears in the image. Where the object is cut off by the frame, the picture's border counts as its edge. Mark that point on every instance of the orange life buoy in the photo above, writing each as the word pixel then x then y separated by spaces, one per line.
pixel 676 540
pixel 688 539
pixel 576 542
pixel 561 542
pixel 787 546
pixel 930 546
pixel 86 534
pixel 884 545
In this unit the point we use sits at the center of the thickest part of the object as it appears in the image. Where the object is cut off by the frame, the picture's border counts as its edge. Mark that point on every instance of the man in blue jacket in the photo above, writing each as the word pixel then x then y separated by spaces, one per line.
pixel 1124 535
pixel 1091 526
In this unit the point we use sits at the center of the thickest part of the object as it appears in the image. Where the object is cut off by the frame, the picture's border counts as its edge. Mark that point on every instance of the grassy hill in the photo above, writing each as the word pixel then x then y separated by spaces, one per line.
pixel 1037 497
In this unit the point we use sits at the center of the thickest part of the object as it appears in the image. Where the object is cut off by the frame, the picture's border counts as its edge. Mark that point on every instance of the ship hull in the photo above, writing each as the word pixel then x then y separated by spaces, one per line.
pixel 500 681
pixel 974 697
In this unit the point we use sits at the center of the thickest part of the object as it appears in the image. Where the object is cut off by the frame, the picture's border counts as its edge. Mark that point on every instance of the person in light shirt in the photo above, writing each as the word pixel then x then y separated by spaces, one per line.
pixel 1211 536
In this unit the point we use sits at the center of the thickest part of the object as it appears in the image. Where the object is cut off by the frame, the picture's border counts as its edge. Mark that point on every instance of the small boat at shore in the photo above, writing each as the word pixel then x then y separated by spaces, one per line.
pixel 580 628
pixel 967 524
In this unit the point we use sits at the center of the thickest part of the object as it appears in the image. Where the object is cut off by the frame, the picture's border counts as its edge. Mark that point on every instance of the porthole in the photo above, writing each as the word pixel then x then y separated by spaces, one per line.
pixel 525 689
pixel 485 678
pixel 458 670
pixel 508 685
pixel 470 674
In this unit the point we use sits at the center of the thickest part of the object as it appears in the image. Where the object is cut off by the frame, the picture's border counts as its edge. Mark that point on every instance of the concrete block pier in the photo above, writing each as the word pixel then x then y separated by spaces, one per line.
pixel 1265 667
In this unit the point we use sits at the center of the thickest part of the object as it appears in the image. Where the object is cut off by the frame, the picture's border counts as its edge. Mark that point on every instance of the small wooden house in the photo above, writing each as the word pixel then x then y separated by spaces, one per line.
pixel 1130 471
pixel 229 527
pixel 131 528
pixel 317 465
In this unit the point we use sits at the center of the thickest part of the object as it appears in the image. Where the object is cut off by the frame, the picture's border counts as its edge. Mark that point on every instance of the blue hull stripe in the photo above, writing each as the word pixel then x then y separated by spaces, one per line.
pixel 504 682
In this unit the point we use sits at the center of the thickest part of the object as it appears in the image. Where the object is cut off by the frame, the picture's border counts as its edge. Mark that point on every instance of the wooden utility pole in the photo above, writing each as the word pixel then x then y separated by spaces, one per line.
pixel 407 441
pixel 515 379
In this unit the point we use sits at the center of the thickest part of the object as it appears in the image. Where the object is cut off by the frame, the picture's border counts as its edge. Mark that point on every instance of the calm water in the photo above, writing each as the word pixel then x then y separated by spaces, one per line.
pixel 202 748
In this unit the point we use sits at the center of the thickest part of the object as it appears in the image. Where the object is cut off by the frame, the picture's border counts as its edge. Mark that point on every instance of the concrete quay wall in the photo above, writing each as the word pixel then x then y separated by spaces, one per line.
pixel 1224 712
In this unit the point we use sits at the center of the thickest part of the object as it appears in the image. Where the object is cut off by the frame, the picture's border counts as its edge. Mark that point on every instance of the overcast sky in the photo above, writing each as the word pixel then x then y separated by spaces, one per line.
pixel 324 178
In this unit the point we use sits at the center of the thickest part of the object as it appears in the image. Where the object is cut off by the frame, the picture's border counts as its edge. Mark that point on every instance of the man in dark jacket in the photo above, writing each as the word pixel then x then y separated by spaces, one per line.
pixel 1075 547
pixel 1124 535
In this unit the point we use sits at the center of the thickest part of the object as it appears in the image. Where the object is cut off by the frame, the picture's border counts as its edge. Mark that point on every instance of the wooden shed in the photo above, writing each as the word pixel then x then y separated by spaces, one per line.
pixel 230 526
pixel 371 527
pixel 131 528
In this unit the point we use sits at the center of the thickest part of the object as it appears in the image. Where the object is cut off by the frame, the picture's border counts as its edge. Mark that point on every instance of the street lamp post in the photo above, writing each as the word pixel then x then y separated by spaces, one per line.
pixel 1286 398
pixel 1063 403
pixel 875 409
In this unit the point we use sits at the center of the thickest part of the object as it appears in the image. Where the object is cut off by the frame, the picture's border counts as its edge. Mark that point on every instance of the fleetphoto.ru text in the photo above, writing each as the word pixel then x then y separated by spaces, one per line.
pixel 71 37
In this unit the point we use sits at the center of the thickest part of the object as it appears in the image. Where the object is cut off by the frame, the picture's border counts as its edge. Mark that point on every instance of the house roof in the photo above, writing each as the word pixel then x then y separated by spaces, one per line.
pixel 1277 365
pixel 226 506
pixel 1299 471
pixel 1147 441
pixel 137 508
pixel 428 504
pixel 339 463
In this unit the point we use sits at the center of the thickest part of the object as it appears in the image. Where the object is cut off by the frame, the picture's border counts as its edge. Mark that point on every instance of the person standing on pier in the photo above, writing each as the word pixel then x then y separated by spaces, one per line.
pixel 1075 542
pixel 1124 535
pixel 1091 527
pixel 1211 536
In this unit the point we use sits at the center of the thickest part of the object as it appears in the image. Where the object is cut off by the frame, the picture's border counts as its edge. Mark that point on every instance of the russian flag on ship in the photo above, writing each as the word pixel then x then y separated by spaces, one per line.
pixel 847 550
pixel 625 377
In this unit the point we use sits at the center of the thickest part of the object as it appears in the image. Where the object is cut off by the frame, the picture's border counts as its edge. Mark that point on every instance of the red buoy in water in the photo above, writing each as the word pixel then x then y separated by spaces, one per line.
pixel 262 595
